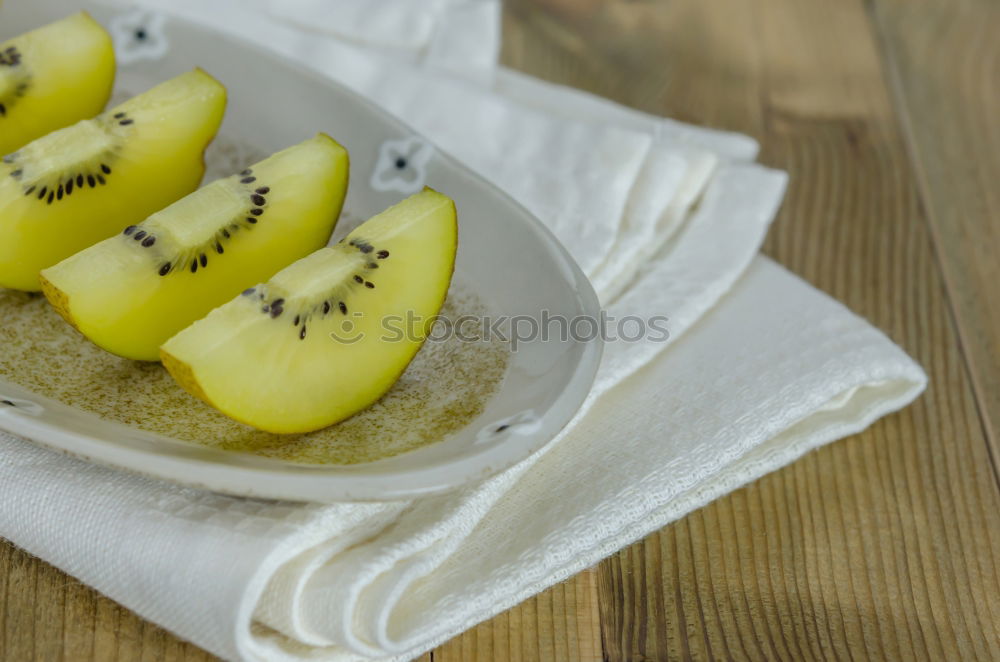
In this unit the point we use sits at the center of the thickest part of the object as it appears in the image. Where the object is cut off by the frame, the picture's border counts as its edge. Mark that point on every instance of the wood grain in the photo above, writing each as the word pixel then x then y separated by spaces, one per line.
pixel 48 615
pixel 562 623
pixel 943 64
pixel 882 546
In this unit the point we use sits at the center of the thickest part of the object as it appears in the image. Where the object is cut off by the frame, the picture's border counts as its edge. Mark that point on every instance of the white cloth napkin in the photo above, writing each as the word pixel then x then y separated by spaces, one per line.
pixel 759 369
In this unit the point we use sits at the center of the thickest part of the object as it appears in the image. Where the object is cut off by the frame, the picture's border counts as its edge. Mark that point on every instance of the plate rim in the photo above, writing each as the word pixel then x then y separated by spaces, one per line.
pixel 324 482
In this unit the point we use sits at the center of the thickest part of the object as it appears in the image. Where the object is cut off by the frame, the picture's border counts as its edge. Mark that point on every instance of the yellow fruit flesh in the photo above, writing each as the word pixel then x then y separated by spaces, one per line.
pixel 79 185
pixel 314 364
pixel 52 77
pixel 114 294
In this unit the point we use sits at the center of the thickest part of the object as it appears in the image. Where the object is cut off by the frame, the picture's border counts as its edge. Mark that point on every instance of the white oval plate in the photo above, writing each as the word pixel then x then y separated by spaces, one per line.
pixel 506 256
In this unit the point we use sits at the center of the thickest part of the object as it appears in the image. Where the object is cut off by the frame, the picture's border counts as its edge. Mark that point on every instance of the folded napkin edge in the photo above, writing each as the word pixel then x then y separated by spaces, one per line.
pixel 884 397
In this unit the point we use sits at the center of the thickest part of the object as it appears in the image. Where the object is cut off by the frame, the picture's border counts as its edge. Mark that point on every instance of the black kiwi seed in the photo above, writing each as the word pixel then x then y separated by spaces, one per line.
pixel 276 312
pixel 302 333
pixel 359 279
pixel 382 255
pixel 79 180
pixel 16 173
pixel 225 233
pixel 256 212
pixel 105 169
pixel 165 269
pixel 263 190
pixel 129 230
pixel 343 307
pixel 194 265
pixel 203 259
pixel 219 249
pixel 278 302
pixel 52 195
pixel 371 265
pixel 370 285
pixel 118 116
pixel 41 194
pixel 101 180
pixel 246 172
pixel 149 241
pixel 326 307
pixel 69 187
pixel 59 193
pixel 139 235
pixel 248 180
pixel 258 199
pixel 126 122
pixel 296 321
pixel 30 190
pixel 367 248
pixel 91 181
pixel 251 220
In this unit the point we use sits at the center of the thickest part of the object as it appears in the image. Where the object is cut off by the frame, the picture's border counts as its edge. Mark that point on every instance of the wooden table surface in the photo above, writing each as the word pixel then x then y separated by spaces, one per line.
pixel 886 113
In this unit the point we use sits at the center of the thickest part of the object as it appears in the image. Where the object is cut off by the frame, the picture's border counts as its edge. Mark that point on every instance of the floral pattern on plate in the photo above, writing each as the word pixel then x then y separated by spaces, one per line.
pixel 138 35
pixel 402 165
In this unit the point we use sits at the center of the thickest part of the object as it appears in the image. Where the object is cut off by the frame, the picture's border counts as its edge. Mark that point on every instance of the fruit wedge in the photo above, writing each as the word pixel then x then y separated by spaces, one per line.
pixel 329 335
pixel 79 185
pixel 132 292
pixel 52 77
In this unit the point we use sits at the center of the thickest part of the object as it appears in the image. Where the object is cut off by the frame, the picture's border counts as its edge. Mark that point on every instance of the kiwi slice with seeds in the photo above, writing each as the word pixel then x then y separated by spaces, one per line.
pixel 79 185
pixel 52 77
pixel 132 292
pixel 329 335
pixel 49 179
pixel 15 79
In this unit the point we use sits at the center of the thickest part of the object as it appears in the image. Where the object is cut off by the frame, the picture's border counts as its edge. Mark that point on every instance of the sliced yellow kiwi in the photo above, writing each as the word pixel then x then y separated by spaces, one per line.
pixel 329 335
pixel 133 291
pixel 79 185
pixel 52 77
